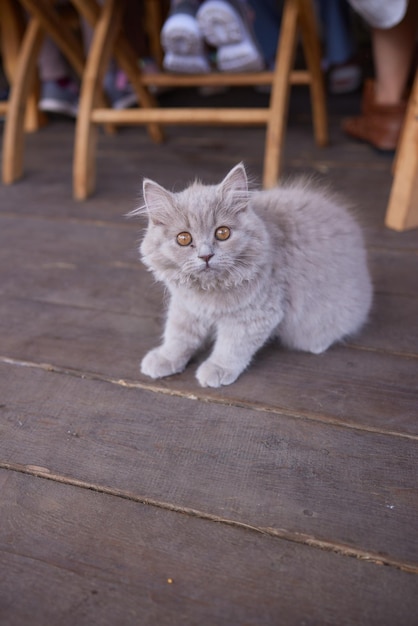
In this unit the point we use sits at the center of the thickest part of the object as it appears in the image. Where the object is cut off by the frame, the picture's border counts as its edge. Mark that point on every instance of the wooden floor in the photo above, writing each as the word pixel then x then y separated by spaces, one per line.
pixel 290 497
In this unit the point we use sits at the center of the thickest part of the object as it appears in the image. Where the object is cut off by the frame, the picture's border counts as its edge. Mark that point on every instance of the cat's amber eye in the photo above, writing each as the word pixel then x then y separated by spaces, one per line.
pixel 184 239
pixel 222 233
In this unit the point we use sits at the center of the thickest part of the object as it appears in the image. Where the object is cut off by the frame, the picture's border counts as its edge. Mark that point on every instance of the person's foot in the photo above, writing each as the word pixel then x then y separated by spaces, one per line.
pixel 344 77
pixel 182 41
pixel 119 91
pixel 379 125
pixel 59 96
pixel 225 26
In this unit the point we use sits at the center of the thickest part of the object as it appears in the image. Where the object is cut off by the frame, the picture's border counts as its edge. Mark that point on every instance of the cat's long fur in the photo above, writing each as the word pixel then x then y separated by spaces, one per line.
pixel 294 265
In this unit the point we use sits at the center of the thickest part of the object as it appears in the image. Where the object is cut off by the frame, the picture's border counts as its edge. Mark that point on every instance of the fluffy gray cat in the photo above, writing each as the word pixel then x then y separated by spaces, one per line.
pixel 243 266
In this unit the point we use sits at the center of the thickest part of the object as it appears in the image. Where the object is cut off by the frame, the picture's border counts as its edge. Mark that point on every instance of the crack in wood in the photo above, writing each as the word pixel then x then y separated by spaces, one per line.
pixel 278 533
pixel 404 355
pixel 202 397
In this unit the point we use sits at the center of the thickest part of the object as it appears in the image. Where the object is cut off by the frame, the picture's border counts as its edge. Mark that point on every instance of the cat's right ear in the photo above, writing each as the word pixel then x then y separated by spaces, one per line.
pixel 158 201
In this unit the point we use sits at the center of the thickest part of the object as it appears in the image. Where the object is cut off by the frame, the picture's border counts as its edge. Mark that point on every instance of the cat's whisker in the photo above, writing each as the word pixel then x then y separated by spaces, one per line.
pixel 141 210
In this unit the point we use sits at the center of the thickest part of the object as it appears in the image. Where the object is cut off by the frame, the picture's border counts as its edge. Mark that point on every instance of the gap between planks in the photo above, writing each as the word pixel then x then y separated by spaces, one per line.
pixel 357 346
pixel 278 533
pixel 201 396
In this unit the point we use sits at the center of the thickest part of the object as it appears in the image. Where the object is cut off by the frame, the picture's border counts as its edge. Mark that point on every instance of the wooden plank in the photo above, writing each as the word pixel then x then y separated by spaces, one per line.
pixel 74 556
pixel 384 332
pixel 351 168
pixel 309 482
pixel 395 272
pixel 184 156
pixel 290 449
pixel 75 295
pixel 361 388
pixel 207 154
pixel 95 246
pixel 296 77
pixel 126 236
pixel 240 116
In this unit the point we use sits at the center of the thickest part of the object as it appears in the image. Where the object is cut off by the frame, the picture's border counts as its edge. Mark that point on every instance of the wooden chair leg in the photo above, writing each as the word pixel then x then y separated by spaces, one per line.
pixel 280 90
pixel 43 18
pixel 312 52
pixel 64 38
pixel 154 22
pixel 126 59
pixel 402 211
pixel 105 32
pixel 58 30
pixel 13 139
pixel 12 32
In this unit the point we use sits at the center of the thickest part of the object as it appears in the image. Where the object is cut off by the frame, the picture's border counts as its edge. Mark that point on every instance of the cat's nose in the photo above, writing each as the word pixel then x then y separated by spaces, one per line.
pixel 206 258
pixel 205 252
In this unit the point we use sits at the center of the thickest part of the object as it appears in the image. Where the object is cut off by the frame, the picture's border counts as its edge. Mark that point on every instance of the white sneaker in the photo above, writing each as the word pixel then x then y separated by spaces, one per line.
pixel 225 26
pixel 183 45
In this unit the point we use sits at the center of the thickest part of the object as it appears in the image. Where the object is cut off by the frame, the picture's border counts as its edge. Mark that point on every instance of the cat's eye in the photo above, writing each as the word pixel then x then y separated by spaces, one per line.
pixel 223 233
pixel 184 239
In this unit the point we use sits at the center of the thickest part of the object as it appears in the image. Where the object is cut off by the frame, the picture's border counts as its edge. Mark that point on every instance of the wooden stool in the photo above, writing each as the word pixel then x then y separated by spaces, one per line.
pixel 402 211
pixel 108 40
pixel 12 27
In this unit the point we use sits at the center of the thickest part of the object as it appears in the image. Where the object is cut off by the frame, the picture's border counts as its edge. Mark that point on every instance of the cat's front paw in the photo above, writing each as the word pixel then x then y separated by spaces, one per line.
pixel 156 365
pixel 212 375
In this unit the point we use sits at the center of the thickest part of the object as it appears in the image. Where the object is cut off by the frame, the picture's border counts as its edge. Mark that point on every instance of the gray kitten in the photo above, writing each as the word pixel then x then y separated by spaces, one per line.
pixel 243 266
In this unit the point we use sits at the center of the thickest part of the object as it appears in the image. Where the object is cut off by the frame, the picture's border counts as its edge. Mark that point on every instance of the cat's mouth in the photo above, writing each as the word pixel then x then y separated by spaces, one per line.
pixel 206 272
pixel 206 260
pixel 205 266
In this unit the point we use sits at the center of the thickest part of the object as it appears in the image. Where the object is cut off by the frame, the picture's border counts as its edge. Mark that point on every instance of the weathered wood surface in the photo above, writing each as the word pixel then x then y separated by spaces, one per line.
pixel 355 387
pixel 108 560
pixel 285 476
pixel 66 294
pixel 253 499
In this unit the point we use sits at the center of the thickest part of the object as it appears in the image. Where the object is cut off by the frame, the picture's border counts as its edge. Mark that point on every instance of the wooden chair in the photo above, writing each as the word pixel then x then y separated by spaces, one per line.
pixel 12 27
pixel 108 40
pixel 43 19
pixel 402 211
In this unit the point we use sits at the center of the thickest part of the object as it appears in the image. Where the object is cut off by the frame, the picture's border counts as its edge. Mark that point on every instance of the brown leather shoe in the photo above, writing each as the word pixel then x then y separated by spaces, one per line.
pixel 379 125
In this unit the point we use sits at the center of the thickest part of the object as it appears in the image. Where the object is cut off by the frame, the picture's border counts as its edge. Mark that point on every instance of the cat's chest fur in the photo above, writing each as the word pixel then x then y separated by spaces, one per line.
pixel 236 302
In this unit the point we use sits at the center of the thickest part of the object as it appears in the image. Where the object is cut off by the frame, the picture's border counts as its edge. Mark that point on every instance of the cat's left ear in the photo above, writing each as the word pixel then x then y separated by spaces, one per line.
pixel 235 186
pixel 236 180
pixel 158 201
